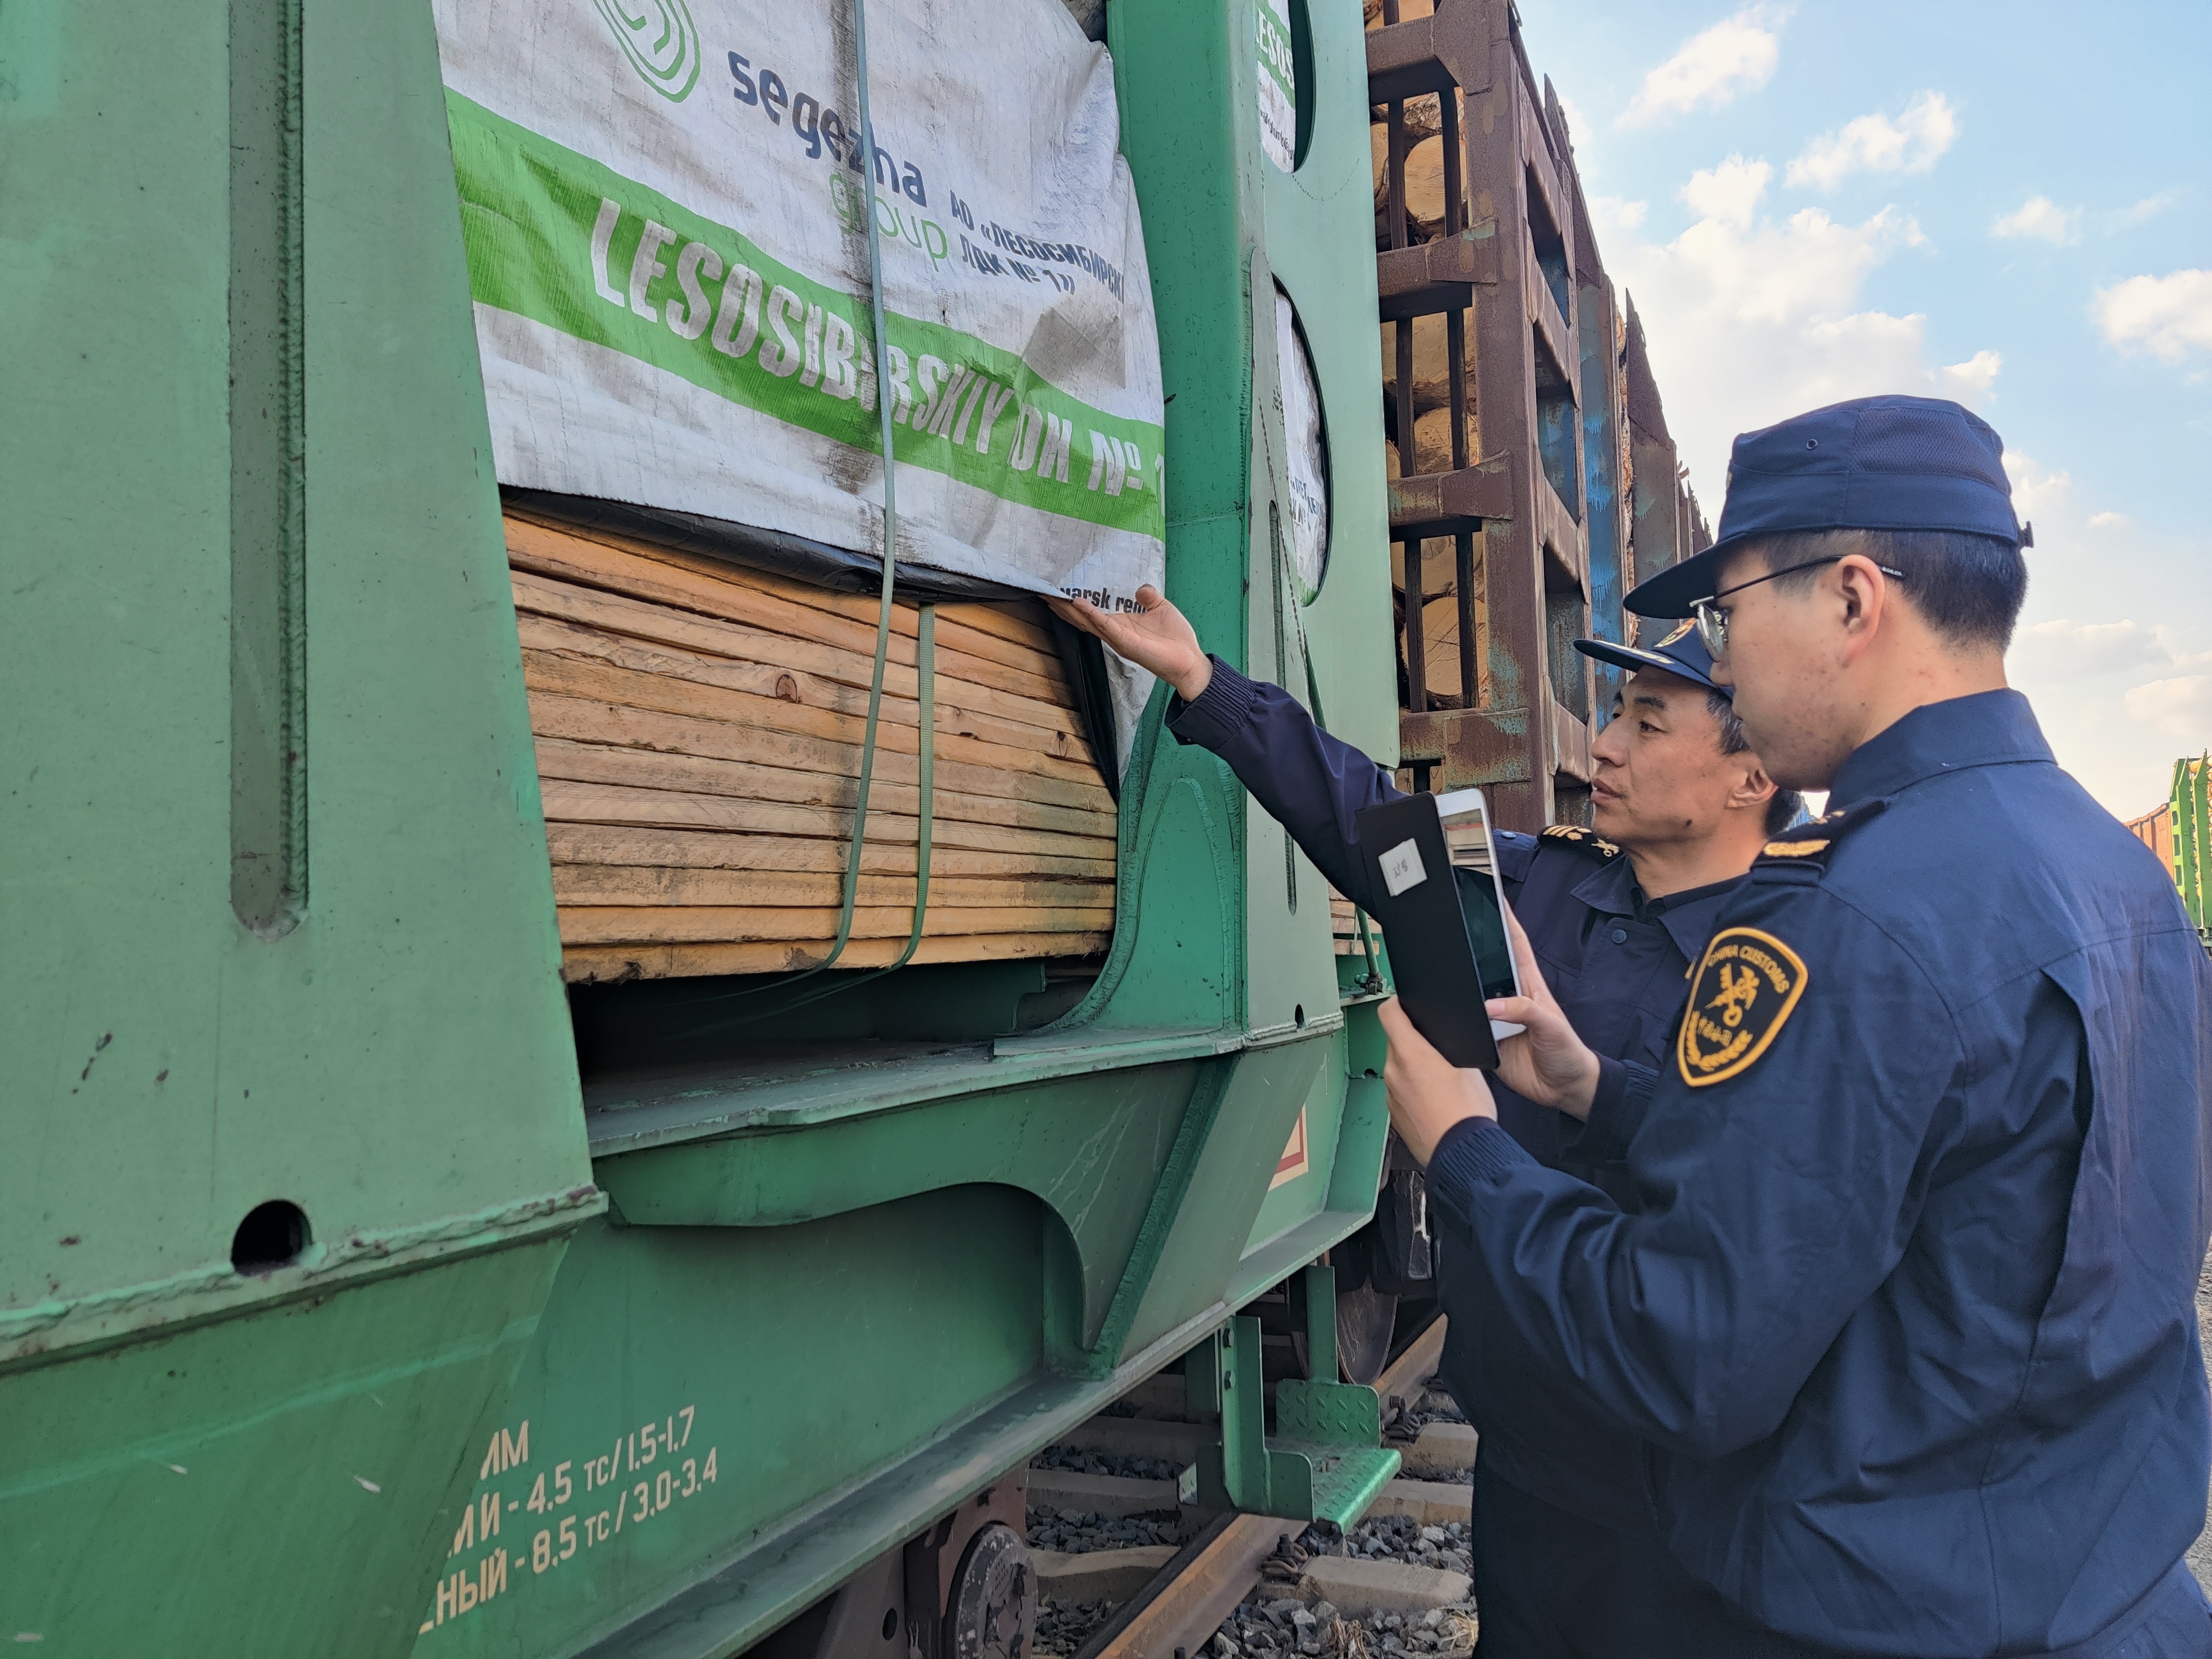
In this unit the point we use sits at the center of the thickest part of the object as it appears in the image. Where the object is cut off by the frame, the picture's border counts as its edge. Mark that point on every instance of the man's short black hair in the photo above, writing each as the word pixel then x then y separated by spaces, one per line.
pixel 1969 588
pixel 1785 805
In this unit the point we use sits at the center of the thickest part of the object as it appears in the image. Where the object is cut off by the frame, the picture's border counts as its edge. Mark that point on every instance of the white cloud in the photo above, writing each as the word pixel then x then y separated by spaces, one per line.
pixel 2149 208
pixel 1611 212
pixel 2168 316
pixel 2037 492
pixel 2120 742
pixel 1751 318
pixel 1970 382
pixel 2180 708
pixel 1710 68
pixel 2110 521
pixel 2041 218
pixel 1729 192
pixel 2062 650
pixel 1875 144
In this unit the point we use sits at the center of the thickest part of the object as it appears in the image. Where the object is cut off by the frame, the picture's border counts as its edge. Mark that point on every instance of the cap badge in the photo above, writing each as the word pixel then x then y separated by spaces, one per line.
pixel 1677 635
pixel 1747 987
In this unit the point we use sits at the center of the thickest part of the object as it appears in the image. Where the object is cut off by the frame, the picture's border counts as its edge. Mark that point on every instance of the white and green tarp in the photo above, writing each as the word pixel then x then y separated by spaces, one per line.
pixel 665 207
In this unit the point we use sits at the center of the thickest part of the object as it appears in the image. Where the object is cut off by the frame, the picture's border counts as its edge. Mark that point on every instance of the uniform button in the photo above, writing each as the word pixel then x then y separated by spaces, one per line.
pixel 1620 936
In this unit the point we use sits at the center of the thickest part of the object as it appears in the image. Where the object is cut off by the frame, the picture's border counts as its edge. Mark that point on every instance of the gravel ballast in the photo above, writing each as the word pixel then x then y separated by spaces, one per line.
pixel 1070 1534
pixel 1094 1462
pixel 1064 1630
pixel 1269 1625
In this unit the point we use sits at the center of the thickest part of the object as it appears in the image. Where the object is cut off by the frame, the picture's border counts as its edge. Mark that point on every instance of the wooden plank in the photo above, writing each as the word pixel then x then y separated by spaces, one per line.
pixel 1018 622
pixel 766 678
pixel 577 884
pixel 1014 620
pixel 643 768
pixel 588 963
pixel 964 764
pixel 598 803
pixel 960 707
pixel 586 844
pixel 736 607
pixel 771 603
pixel 707 924
pixel 598 607
pixel 587 720
pixel 1022 637
pixel 994 632
pixel 633 674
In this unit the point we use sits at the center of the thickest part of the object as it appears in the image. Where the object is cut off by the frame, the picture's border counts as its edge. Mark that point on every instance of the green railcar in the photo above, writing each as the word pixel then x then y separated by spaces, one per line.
pixel 340 1312
pixel 2190 805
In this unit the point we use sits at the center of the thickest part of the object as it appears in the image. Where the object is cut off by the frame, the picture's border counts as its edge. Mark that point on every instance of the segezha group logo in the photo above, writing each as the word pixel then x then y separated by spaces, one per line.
pixel 660 39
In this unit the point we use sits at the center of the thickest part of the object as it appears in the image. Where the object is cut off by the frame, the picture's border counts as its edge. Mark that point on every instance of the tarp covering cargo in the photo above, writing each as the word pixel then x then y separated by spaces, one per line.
pixel 665 203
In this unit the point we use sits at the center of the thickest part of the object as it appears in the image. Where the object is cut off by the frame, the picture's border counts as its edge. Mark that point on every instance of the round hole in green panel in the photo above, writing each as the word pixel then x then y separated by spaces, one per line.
pixel 1307 511
pixel 272 1236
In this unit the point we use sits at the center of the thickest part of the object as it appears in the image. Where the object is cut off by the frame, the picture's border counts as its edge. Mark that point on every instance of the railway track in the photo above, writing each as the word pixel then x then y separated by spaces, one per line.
pixel 1127 1570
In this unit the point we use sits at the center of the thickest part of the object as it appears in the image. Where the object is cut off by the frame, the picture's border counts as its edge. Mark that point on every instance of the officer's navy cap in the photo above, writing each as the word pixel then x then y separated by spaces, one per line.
pixel 1682 652
pixel 1891 463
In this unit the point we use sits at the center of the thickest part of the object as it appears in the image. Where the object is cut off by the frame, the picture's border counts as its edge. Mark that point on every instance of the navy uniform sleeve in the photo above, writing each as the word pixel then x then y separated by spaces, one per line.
pixel 1780 1192
pixel 1517 853
pixel 1623 1094
pixel 1307 780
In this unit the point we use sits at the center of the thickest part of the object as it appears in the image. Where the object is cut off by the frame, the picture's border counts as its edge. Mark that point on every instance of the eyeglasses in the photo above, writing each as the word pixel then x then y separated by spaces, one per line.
pixel 1712 621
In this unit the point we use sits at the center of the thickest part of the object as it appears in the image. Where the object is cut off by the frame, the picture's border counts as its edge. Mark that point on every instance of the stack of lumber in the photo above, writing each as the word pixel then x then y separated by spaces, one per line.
pixel 1343 925
pixel 699 731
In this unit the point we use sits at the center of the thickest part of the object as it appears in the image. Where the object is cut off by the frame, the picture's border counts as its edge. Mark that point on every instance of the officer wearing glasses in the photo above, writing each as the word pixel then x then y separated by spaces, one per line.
pixel 1907 1313
pixel 1567 1562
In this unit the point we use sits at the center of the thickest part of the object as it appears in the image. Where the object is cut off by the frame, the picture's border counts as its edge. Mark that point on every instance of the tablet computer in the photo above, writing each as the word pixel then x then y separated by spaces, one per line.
pixel 1433 880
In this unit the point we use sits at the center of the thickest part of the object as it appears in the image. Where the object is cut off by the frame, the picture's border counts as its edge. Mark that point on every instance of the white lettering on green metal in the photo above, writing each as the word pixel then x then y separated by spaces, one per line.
pixel 670 271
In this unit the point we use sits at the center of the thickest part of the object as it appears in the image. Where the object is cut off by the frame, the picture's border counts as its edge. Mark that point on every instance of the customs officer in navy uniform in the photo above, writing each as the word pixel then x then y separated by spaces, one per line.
pixel 1905 1313
pixel 1566 1559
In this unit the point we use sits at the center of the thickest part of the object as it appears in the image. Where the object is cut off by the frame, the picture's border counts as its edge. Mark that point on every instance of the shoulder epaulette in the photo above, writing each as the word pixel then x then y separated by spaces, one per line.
pixel 1594 847
pixel 1811 844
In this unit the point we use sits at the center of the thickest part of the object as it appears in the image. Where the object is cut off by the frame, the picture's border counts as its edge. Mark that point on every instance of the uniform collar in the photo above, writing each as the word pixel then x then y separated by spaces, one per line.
pixel 1611 889
pixel 1989 728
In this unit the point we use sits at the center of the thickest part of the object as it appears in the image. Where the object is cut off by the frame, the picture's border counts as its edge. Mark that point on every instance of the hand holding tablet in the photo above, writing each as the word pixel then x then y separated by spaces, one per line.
pixel 1433 879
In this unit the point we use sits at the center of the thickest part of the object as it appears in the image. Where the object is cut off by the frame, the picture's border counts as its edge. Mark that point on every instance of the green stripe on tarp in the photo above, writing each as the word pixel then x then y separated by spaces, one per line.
pixel 529 209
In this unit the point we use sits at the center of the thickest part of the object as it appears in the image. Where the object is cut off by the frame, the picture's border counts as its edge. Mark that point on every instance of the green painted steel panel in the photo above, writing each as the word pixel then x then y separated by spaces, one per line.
pixel 1187 80
pixel 1090 1147
pixel 1320 225
pixel 1260 1103
pixel 271 1485
pixel 797 1358
pixel 231 632
pixel 400 1057
pixel 1299 1188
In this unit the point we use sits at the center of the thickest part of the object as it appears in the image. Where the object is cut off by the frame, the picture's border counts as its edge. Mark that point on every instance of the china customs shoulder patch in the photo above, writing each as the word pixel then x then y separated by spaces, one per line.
pixel 1746 985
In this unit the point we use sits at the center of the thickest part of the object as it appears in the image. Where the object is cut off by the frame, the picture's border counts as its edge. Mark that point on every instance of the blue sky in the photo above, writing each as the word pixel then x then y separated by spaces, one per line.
pixel 2008 205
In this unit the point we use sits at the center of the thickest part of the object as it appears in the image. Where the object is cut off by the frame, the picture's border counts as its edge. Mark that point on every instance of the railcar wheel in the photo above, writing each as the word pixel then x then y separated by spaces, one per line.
pixel 1363 1322
pixel 994 1601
